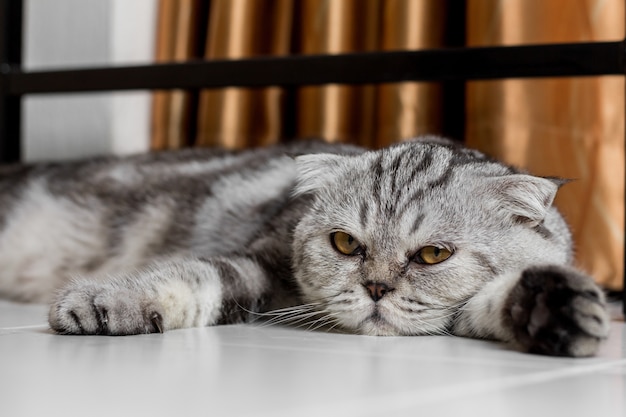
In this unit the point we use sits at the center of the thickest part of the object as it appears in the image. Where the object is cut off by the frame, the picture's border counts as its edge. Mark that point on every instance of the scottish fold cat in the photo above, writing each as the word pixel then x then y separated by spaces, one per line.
pixel 423 237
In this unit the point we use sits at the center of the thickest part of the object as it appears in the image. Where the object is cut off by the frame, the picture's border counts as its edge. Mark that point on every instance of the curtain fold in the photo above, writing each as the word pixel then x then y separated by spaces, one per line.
pixel 177 40
pixel 337 113
pixel 408 109
pixel 570 127
pixel 237 117
pixel 368 115
pixel 165 52
pixel 373 116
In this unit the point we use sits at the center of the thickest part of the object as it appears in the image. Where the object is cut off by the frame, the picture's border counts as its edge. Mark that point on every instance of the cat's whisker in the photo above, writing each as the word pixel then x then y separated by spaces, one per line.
pixel 332 321
pixel 291 319
pixel 282 313
pixel 323 321
pixel 337 309
pixel 286 310
pixel 278 313
pixel 299 313
pixel 475 308
pixel 444 331
pixel 331 328
pixel 283 318
pixel 450 313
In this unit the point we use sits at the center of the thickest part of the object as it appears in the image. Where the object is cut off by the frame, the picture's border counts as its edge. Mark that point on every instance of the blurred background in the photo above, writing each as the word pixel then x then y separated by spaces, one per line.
pixel 567 127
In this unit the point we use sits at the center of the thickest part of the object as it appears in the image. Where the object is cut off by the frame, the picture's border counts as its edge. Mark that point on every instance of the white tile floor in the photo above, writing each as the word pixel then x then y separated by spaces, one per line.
pixel 271 371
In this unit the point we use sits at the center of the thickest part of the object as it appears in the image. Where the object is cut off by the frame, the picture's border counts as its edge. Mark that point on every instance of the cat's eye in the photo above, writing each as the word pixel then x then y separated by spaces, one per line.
pixel 346 244
pixel 430 255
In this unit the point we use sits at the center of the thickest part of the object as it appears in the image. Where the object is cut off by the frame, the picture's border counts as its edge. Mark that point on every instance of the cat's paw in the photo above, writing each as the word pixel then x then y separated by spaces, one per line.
pixel 557 311
pixel 99 308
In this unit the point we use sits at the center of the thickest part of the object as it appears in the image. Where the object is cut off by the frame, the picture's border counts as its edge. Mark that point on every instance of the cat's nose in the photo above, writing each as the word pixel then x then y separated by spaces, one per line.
pixel 377 290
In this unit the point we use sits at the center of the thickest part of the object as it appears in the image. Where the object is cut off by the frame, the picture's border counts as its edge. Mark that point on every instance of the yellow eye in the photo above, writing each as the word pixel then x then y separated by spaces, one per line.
pixel 345 243
pixel 432 255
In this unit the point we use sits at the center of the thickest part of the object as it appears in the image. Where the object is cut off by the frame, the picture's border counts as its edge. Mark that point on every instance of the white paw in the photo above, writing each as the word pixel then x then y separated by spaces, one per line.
pixel 101 308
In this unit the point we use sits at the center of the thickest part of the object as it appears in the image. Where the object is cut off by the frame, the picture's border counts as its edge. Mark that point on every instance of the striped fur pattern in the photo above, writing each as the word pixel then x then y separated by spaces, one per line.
pixel 202 237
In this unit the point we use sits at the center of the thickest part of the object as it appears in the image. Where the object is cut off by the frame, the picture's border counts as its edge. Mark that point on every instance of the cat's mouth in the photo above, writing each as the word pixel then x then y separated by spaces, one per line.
pixel 377 325
pixel 376 317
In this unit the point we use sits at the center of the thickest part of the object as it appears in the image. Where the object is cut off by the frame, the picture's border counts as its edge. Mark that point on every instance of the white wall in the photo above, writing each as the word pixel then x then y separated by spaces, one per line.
pixel 63 33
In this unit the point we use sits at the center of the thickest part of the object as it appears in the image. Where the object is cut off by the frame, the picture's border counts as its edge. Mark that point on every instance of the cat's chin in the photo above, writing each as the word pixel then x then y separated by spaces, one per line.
pixel 378 330
pixel 376 325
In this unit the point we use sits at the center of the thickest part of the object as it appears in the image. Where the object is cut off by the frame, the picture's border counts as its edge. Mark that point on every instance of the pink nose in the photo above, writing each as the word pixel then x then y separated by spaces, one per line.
pixel 377 290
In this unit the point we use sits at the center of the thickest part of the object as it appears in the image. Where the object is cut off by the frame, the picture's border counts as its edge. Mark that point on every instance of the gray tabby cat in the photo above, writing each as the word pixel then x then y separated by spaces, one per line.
pixel 424 237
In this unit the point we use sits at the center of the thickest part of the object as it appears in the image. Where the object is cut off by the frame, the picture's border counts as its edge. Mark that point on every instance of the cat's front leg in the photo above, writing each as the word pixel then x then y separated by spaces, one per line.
pixel 551 310
pixel 166 295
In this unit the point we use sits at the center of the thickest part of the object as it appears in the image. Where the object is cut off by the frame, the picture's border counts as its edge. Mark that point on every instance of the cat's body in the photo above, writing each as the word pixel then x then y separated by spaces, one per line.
pixel 423 237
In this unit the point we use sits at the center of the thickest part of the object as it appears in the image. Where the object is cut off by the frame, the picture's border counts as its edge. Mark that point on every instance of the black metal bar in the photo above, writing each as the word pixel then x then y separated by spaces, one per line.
pixel 453 91
pixel 624 249
pixel 556 60
pixel 10 61
pixel 201 26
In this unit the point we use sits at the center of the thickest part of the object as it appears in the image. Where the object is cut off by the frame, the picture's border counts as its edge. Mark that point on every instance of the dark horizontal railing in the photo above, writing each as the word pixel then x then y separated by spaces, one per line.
pixel 553 60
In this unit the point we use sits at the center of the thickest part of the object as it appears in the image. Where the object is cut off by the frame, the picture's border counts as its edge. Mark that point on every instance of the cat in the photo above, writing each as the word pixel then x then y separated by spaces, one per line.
pixel 423 237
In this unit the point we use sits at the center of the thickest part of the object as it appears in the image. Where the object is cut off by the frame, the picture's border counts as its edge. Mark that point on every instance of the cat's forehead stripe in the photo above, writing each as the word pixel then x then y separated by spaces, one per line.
pixel 409 203
pixel 364 213
pixel 412 171
pixel 424 164
pixel 424 160
pixel 378 176
pixel 417 223
pixel 395 170
pixel 418 161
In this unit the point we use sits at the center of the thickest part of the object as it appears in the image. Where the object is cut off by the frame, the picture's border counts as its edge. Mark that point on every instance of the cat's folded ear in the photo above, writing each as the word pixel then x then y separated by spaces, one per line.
pixel 525 197
pixel 316 172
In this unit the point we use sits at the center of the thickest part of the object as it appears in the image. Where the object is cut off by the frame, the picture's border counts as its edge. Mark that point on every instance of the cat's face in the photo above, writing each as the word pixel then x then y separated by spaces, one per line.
pixel 397 239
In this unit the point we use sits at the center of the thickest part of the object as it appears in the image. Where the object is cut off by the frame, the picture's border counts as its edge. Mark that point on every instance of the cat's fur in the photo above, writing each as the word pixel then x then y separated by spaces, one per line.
pixel 202 237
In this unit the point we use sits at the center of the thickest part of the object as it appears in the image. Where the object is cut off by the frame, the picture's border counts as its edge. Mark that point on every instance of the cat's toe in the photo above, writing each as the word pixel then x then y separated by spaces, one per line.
pixel 73 312
pixel 557 311
pixel 127 313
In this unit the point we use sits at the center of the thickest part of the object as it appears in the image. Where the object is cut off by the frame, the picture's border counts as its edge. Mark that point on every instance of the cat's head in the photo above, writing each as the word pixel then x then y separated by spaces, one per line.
pixel 397 239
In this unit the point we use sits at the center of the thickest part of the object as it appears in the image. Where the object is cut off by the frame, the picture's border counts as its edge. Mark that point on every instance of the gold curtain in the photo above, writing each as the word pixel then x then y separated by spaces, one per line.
pixel 178 22
pixel 567 127
pixel 237 117
pixel 408 109
pixel 337 112
pixel 570 127
pixel 368 115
